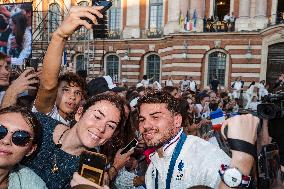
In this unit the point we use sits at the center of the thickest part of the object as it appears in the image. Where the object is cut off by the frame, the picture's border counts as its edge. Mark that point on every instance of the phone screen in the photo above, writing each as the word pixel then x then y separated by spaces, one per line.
pixel 92 166
pixel 129 146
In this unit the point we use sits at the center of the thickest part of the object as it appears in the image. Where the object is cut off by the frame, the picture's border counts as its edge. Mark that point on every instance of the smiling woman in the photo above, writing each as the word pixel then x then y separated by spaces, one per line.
pixel 58 157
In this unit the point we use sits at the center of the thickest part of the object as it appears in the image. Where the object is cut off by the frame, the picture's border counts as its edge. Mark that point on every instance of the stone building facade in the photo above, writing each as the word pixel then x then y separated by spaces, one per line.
pixel 149 37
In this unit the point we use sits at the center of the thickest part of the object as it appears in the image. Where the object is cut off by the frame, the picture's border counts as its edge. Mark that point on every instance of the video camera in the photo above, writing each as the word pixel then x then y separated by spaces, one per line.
pixel 272 106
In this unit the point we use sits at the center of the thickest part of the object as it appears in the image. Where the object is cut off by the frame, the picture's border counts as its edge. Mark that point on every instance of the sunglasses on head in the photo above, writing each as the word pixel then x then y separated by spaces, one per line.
pixel 19 138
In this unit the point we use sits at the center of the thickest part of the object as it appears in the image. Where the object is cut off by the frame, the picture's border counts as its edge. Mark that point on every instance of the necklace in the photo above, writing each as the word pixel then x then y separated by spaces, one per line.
pixel 55 168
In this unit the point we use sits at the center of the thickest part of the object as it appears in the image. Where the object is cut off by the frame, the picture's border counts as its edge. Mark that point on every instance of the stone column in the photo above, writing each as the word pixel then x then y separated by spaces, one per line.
pixel 273 11
pixel 212 4
pixel 242 23
pixel 199 6
pixel 184 7
pixel 132 29
pixel 260 14
pixel 173 17
pixel 232 5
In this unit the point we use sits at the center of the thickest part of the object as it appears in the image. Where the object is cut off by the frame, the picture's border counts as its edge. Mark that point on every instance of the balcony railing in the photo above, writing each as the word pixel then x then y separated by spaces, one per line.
pixel 114 34
pixel 152 33
pixel 219 26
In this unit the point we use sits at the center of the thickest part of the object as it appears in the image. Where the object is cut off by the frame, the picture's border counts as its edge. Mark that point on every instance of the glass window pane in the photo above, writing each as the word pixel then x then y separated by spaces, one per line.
pixel 153 67
pixel 80 64
pixel 114 15
pixel 54 16
pixel 112 66
pixel 156 13
pixel 217 66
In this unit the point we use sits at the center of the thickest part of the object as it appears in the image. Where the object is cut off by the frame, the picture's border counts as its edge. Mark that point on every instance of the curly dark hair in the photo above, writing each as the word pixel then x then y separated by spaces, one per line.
pixel 73 79
pixel 159 97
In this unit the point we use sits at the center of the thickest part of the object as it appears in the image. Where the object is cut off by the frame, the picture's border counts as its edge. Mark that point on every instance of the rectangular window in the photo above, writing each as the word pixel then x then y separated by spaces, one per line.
pixel 155 14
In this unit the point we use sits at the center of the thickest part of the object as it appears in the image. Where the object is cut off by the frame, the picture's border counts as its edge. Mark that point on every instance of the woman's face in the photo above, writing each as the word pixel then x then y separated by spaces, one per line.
pixel 98 123
pixel 11 154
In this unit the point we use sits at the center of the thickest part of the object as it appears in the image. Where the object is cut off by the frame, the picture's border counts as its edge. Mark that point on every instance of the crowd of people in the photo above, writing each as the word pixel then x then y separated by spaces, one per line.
pixel 48 119
pixel 16 32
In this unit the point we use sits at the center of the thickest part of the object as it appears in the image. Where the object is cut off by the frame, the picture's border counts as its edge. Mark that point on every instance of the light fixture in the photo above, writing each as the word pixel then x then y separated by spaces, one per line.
pixel 249 53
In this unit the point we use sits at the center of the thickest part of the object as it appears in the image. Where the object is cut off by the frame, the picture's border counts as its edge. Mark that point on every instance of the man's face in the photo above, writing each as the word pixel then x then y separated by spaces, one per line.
pixel 4 73
pixel 68 98
pixel 213 98
pixel 157 124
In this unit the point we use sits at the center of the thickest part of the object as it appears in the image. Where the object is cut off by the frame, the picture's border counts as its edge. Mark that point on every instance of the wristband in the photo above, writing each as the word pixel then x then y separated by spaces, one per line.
pixel 242 146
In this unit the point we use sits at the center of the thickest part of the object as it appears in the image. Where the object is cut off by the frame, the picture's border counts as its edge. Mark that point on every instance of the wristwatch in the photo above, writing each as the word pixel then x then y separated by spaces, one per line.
pixel 233 178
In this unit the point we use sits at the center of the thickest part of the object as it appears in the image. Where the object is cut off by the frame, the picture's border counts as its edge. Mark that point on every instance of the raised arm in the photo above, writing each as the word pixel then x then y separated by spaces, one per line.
pixel 47 93
pixel 243 128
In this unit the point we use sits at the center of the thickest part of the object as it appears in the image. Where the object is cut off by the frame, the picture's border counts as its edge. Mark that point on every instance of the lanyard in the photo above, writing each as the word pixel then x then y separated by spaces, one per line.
pixel 175 155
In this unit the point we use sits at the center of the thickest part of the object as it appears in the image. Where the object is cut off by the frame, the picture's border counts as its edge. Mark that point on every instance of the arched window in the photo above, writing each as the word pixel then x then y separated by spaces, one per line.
pixel 153 67
pixel 217 67
pixel 155 13
pixel 112 67
pixel 114 16
pixel 54 17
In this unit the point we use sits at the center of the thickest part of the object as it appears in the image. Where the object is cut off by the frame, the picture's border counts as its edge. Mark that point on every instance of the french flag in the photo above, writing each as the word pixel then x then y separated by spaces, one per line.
pixel 217 118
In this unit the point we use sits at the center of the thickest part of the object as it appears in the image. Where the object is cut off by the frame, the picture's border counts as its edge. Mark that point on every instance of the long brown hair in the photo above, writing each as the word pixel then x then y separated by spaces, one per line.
pixel 20 22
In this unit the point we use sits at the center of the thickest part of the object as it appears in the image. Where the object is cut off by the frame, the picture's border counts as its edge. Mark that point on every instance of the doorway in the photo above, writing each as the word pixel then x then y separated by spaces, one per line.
pixel 275 62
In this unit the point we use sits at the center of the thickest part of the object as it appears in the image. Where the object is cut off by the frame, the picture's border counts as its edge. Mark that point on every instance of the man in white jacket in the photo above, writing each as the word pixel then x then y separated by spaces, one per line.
pixel 182 161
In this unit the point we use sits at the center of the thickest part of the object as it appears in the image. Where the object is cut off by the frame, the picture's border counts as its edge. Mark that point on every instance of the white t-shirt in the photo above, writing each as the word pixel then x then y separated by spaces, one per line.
pixel 197 164
pixel 54 114
pixel 145 82
pixel 237 85
pixel 169 83
pixel 250 90
pixel 184 85
pixel 253 106
pixel 192 86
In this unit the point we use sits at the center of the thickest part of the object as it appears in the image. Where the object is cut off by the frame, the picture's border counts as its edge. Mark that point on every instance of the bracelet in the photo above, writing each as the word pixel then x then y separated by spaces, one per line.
pixel 114 169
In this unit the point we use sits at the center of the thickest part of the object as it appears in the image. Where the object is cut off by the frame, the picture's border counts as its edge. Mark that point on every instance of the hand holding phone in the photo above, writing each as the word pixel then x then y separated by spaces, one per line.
pixel 131 145
pixel 99 3
pixel 92 166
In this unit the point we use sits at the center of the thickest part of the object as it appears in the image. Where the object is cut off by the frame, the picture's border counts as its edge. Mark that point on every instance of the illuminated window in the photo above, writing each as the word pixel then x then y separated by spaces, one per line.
pixel 217 67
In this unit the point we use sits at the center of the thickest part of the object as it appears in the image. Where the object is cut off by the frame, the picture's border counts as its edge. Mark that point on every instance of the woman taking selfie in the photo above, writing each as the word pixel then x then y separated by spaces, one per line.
pixel 58 157
pixel 19 137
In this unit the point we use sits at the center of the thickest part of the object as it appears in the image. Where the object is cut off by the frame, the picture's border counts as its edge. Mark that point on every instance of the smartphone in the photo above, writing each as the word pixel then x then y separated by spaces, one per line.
pixel 103 3
pixel 92 166
pixel 129 146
